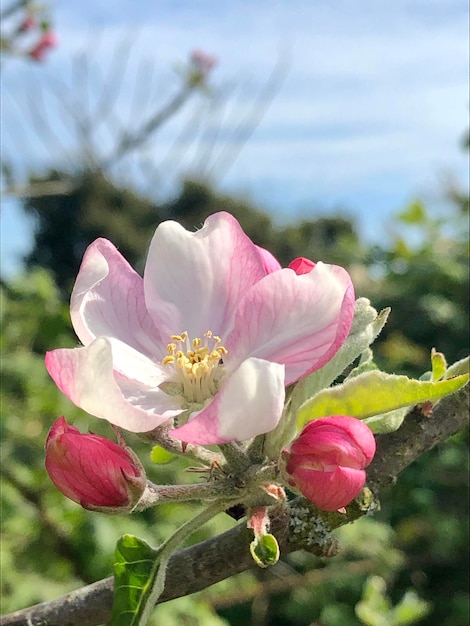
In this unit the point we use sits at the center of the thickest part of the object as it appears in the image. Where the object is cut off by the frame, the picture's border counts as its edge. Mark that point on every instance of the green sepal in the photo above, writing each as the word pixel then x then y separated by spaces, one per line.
pixel 373 394
pixel 135 568
pixel 265 550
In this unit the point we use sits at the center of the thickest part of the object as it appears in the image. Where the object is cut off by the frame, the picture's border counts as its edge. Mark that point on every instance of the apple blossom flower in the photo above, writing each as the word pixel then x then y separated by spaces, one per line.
pixel 209 336
pixel 326 461
pixel 38 51
pixel 93 471
pixel 27 24
pixel 201 65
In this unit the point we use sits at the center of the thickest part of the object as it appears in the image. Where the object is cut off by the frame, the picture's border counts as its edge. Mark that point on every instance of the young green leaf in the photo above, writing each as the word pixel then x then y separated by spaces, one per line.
pixel 439 365
pixel 265 550
pixel 373 393
pixel 140 571
pixel 135 567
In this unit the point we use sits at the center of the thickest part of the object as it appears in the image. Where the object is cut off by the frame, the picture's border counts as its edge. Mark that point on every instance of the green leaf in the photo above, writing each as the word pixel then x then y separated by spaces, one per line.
pixel 414 214
pixel 140 571
pixel 135 568
pixel 373 393
pixel 387 422
pixel 459 367
pixel 410 609
pixel 161 456
pixel 439 365
pixel 265 550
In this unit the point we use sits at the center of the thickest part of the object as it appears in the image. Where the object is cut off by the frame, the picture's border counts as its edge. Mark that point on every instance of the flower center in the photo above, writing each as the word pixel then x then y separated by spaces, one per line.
pixel 197 364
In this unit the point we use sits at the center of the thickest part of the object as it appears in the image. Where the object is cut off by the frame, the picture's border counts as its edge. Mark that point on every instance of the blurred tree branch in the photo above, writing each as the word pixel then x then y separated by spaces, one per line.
pixel 211 561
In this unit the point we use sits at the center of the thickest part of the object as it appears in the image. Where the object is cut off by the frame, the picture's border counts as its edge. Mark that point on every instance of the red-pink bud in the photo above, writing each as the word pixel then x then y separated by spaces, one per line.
pixel 93 471
pixel 48 40
pixel 301 265
pixel 326 462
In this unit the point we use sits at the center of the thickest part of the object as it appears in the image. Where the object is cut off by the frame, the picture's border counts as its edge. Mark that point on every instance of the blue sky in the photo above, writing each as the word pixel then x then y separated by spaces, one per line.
pixel 369 116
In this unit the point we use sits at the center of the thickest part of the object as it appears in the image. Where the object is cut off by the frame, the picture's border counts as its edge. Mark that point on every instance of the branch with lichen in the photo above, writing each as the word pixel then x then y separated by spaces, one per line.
pixel 296 526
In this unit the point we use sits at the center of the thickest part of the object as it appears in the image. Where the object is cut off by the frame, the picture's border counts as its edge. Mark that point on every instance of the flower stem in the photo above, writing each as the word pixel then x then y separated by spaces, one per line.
pixel 169 546
pixel 225 489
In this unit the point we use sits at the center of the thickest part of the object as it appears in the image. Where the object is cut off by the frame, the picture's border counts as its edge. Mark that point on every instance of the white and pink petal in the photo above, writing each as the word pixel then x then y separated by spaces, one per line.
pixel 194 281
pixel 108 300
pixel 86 377
pixel 298 320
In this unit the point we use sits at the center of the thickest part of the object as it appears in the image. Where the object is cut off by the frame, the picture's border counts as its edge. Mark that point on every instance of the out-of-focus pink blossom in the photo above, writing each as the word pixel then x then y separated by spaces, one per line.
pixel 202 61
pixel 48 40
pixel 92 470
pixel 326 462
pixel 210 336
pixel 201 66
pixel 28 23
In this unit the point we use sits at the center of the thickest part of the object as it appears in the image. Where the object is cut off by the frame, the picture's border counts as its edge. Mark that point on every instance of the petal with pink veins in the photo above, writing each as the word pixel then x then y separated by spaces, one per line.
pixel 271 264
pixel 298 320
pixel 194 281
pixel 108 300
pixel 86 377
pixel 249 403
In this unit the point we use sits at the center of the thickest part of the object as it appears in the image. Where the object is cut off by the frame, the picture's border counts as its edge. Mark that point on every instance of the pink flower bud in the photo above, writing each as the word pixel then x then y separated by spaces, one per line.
pixel 326 462
pixel 301 265
pixel 93 471
pixel 48 40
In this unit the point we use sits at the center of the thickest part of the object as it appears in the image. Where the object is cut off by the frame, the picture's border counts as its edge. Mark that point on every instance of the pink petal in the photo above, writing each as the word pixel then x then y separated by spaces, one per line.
pixel 271 264
pixel 300 321
pixel 249 403
pixel 194 281
pixel 86 377
pixel 353 440
pixel 108 300
pixel 330 491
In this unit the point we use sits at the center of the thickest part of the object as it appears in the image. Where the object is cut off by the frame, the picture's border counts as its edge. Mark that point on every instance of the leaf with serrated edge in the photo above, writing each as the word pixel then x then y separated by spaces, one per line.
pixel 373 393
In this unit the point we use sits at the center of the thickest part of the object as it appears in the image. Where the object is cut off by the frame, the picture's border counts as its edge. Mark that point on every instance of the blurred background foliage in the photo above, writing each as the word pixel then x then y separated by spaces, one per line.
pixel 409 563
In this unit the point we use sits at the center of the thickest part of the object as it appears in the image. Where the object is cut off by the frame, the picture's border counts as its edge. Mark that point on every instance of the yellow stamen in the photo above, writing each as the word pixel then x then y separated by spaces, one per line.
pixel 197 364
